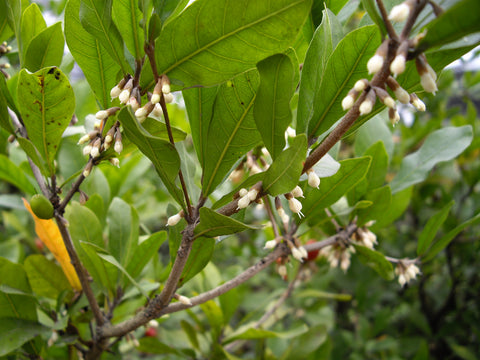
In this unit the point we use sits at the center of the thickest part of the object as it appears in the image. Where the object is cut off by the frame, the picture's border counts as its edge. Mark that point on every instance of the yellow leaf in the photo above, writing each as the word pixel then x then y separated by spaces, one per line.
pixel 49 234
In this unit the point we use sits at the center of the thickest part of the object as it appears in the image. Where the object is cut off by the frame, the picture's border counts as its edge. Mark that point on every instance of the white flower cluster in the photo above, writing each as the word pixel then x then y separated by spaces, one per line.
pixel 246 197
pixel 406 272
pixel 364 237
pixel 338 255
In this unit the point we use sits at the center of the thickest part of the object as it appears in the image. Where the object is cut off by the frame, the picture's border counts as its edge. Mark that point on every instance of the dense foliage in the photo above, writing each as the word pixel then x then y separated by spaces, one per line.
pixel 233 179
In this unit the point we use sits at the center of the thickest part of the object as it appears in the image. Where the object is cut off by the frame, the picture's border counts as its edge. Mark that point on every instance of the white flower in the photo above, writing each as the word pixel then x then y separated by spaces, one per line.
pixel 243 202
pixel 419 104
pixel 402 95
pixel 243 192
pixel 165 89
pixel 95 152
pixel 86 172
pixel 115 92
pixel 124 96
pixel 174 219
pixel 303 251
pixel 184 300
pixel 84 139
pixel 86 150
pixel 270 244
pixel 375 64
pixel 157 110
pixel 402 280
pixel 168 98
pixel 115 162
pixel 283 215
pixel 295 206
pixel 102 114
pixel 282 271
pixel 360 85
pixel 398 64
pixel 118 147
pixel 291 132
pixel 155 99
pixel 399 13
pixel 389 102
pixel 313 179
pixel 133 102
pixel 252 194
pixel 394 116
pixel 153 323
pixel 366 107
pixel 141 113
pixel 297 254
pixel 297 192
pixel 428 82
pixel 348 102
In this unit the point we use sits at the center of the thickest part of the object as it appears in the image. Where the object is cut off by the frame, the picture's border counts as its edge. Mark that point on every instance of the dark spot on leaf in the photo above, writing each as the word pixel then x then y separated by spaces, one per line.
pixel 39 105
pixel 51 71
pixel 57 75
pixel 242 103
pixel 59 124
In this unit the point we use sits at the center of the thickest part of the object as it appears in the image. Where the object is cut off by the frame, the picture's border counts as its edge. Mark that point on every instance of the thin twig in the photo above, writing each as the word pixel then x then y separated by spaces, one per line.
pixel 392 34
pixel 268 207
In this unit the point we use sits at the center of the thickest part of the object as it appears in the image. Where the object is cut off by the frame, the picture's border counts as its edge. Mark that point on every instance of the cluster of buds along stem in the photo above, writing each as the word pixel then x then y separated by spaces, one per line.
pixel 4 49
pixel 245 197
pixel 363 236
pixel 175 219
pixel 406 270
pixel 281 212
pixel 294 205
pixel 338 254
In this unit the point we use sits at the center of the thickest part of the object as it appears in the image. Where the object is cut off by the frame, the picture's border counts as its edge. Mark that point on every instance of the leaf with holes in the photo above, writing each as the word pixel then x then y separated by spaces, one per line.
pixel 47 107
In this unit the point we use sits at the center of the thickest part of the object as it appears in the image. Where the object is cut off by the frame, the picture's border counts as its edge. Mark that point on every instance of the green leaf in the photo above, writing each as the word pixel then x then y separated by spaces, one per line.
pixel 167 9
pixel 127 17
pixel 214 224
pixel 398 205
pixel 47 107
pixel 144 252
pixel 122 222
pixel 17 303
pixel 214 315
pixel 32 24
pixel 45 277
pixel 332 188
pixel 7 96
pixel 33 154
pixel 199 103
pixel 4 116
pixel 248 334
pixel 45 49
pixel 371 7
pixel 232 131
pixel 109 258
pixel 211 43
pixel 441 145
pixel 99 68
pixel 284 173
pixel 102 271
pixel 191 333
pixel 272 111
pixel 160 152
pixel 346 65
pixel 13 11
pixel 381 199
pixel 431 228
pixel 375 260
pixel 458 21
pixel 151 345
pixel 443 242
pixel 16 332
pixel 200 255
pixel 96 18
pixel 324 41
pixel 14 175
pixel 5 31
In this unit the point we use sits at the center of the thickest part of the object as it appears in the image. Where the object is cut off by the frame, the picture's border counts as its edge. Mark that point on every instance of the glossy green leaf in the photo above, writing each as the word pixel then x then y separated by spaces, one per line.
pixel 381 199
pixel 214 224
pixel 152 345
pixel 284 173
pixel 456 22
pixel 249 333
pixel 47 107
pixel 214 315
pixel 332 188
pixel 13 12
pixel 199 103
pixel 14 175
pixel 144 252
pixel 213 43
pixel 45 49
pixel 443 242
pixel 99 68
pixel 34 155
pixel 375 260
pixel 16 303
pixel 441 145
pixel 45 277
pixel 373 131
pixel 324 41
pixel 160 152
pixel 398 205
pixel 200 255
pixel 5 31
pixel 371 7
pixel 31 25
pixel 7 96
pixel 102 271
pixel 167 9
pixel 96 18
pixel 431 228
pixel 127 17
pixel 122 222
pixel 5 122
pixel 16 332
pixel 272 111
pixel 346 65
pixel 232 131
pixel 191 333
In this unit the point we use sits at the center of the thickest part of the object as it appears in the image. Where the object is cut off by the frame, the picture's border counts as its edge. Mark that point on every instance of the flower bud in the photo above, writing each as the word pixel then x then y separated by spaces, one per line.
pixel 394 116
pixel 419 104
pixel 270 244
pixel 283 215
pixel 295 206
pixel 124 96
pixel 175 219
pixel 398 64
pixel 243 202
pixel 252 194
pixel 153 323
pixel 118 147
pixel 375 64
pixel 242 192
pixel 385 97
pixel 347 102
pixel 88 169
pixel 95 152
pixel 115 92
pixel 291 132
pixel 166 89
pixel 101 115
pixel 297 254
pixel 86 150
pixel 360 85
pixel 399 13
pixel 133 103
pixel 184 300
pixel 115 162
pixel 157 110
pixel 168 98
pixel 313 179
pixel 366 107
pixel 282 271
pixel 297 192
pixel 141 113
pixel 427 74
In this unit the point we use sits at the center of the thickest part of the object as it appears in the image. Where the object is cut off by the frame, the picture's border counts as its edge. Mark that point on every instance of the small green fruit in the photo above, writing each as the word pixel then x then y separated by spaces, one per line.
pixel 41 207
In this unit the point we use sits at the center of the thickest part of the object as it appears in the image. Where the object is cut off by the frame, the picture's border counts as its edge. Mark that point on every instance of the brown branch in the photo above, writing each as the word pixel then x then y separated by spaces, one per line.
pixel 392 34
pixel 75 187
pixel 268 207
pixel 412 17
pixel 79 269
